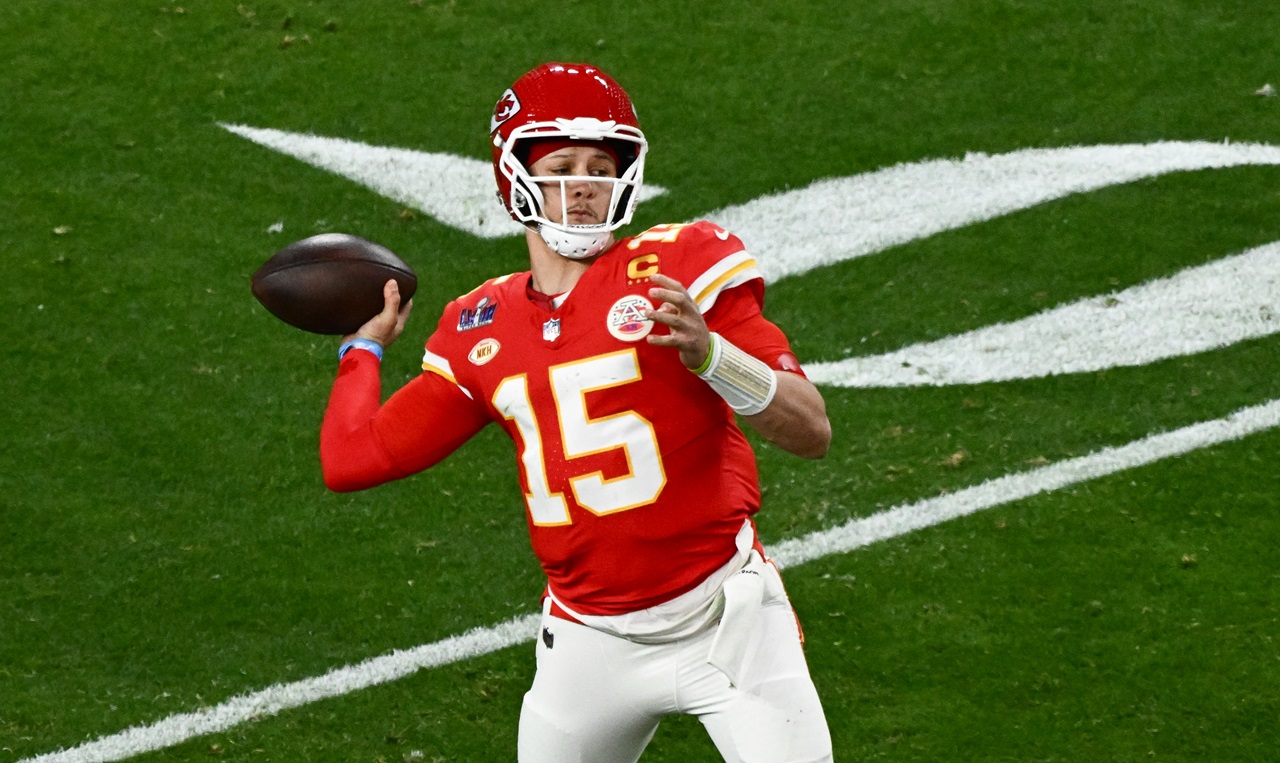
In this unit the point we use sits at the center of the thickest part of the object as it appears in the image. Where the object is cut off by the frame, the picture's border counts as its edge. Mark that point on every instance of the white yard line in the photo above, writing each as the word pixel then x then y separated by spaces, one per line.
pixel 177 729
pixel 1226 301
pixel 1014 487
pixel 456 190
pixel 793 231
pixel 843 218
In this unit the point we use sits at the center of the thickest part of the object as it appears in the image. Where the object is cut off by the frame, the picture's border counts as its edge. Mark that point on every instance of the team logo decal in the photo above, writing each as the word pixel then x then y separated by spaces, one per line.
pixel 508 106
pixel 627 319
pixel 480 315
pixel 484 351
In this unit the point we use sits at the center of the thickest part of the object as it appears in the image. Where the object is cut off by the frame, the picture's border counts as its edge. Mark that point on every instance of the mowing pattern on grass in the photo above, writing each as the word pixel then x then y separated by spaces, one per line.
pixel 858 533
pixel 1078 199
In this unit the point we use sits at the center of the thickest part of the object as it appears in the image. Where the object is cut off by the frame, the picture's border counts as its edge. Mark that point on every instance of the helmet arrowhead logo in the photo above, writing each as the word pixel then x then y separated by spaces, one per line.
pixel 508 106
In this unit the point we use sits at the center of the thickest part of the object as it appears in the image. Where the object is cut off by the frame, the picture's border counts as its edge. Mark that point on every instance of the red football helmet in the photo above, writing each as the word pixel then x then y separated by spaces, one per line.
pixel 570 102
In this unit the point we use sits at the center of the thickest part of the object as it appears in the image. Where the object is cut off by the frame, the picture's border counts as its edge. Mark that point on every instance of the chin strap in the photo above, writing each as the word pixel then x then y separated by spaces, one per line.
pixel 576 245
pixel 745 382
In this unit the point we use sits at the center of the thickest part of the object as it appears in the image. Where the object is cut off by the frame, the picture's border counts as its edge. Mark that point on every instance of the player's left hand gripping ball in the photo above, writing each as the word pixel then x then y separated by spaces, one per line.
pixel 330 283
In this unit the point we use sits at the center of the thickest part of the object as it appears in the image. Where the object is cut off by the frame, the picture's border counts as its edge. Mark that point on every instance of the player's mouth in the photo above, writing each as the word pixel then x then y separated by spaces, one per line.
pixel 583 216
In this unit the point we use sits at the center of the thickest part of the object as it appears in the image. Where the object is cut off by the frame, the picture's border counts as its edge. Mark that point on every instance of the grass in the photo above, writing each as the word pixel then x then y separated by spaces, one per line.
pixel 165 542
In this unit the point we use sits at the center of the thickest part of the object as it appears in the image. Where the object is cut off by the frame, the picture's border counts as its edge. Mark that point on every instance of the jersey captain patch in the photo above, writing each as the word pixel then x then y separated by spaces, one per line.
pixel 640 268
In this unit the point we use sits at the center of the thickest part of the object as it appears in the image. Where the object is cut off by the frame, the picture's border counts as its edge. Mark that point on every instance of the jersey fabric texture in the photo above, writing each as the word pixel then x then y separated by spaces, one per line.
pixel 635 474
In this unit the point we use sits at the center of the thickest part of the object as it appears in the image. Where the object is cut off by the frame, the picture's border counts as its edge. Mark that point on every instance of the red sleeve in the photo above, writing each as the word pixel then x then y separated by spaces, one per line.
pixel 363 444
pixel 736 316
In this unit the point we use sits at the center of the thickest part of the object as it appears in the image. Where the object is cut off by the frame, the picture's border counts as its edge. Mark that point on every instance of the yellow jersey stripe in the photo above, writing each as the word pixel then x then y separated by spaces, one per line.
pixel 718 283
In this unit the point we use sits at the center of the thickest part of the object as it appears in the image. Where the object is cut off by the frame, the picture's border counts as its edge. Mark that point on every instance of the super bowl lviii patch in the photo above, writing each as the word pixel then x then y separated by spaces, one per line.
pixel 480 315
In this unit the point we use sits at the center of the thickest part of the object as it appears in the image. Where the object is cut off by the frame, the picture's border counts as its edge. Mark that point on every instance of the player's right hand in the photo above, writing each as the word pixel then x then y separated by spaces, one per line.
pixel 387 326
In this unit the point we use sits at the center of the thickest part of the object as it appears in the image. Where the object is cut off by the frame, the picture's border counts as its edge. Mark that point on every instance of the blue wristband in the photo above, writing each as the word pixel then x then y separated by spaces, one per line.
pixel 360 344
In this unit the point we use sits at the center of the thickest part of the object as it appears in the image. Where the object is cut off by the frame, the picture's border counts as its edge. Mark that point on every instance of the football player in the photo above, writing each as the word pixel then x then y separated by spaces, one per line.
pixel 618 368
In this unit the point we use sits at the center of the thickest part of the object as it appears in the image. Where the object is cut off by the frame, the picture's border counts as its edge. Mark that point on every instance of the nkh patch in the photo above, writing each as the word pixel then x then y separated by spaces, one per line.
pixel 627 320
pixel 480 315
pixel 484 351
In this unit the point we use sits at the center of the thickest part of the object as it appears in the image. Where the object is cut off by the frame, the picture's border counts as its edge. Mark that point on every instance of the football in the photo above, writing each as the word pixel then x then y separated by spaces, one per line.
pixel 330 283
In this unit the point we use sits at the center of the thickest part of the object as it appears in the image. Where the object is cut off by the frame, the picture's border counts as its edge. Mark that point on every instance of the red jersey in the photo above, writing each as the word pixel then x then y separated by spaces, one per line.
pixel 635 475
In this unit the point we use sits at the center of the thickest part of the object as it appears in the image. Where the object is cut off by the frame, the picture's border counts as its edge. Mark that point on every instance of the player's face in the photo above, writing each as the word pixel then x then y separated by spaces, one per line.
pixel 576 202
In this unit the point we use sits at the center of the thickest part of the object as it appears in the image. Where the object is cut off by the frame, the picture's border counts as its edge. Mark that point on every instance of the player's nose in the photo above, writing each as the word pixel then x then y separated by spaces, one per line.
pixel 582 188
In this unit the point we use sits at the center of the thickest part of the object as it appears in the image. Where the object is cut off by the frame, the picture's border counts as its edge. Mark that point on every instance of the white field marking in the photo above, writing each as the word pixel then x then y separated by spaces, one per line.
pixel 847 537
pixel 793 232
pixel 177 729
pixel 1014 487
pixel 1199 309
pixel 843 218
pixel 457 191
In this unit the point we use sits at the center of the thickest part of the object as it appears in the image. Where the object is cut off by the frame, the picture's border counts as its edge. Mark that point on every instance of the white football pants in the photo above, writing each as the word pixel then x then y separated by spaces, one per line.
pixel 597 698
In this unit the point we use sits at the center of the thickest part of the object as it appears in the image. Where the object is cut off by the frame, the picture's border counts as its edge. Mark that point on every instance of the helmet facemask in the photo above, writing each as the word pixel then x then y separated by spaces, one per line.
pixel 528 205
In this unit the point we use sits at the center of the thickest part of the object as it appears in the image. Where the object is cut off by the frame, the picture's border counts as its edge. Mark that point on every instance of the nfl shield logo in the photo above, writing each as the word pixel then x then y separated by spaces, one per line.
pixel 551 330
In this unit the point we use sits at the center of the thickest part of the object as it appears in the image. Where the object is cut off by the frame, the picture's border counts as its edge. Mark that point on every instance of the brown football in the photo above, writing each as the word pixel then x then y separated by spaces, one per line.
pixel 330 283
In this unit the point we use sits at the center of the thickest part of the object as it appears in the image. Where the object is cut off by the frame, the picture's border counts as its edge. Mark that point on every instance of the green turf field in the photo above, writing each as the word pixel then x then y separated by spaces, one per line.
pixel 166 543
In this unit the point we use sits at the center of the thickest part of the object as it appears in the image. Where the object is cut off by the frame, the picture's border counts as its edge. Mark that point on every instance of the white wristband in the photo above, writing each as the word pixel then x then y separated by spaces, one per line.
pixel 745 382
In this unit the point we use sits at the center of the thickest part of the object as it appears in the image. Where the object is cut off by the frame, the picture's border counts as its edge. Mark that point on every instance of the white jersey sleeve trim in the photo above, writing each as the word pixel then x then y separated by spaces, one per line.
pixel 734 270
pixel 440 367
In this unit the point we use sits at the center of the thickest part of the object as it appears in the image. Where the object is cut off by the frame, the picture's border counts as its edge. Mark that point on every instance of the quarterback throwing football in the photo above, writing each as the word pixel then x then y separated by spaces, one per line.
pixel 617 368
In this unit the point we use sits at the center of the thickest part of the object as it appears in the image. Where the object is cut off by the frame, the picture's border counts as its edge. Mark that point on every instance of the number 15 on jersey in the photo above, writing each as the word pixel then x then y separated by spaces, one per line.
pixel 581 435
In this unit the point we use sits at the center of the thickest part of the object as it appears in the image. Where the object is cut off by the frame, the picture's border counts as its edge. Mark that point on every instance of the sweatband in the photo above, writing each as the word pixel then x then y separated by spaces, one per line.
pixel 359 343
pixel 745 382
